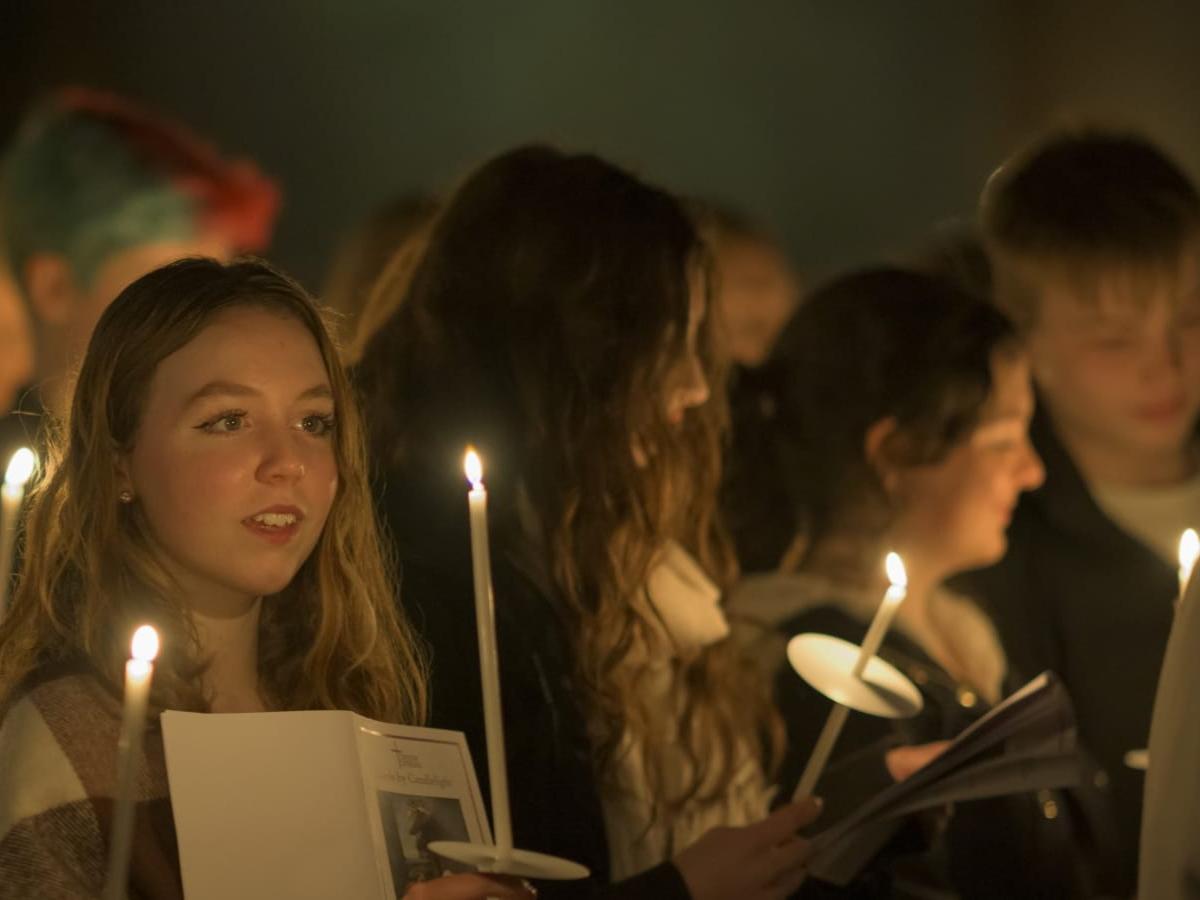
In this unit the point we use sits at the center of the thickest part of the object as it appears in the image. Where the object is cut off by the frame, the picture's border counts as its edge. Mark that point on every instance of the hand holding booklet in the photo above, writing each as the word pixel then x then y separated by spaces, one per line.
pixel 300 805
pixel 1025 743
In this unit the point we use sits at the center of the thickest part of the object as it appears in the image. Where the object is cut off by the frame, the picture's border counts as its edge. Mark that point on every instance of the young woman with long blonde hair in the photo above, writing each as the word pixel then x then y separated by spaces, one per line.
pixel 211 481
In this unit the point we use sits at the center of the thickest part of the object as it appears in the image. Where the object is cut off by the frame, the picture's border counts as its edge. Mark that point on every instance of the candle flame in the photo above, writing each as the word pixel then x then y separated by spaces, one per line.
pixel 473 467
pixel 1189 550
pixel 20 468
pixel 144 646
pixel 895 570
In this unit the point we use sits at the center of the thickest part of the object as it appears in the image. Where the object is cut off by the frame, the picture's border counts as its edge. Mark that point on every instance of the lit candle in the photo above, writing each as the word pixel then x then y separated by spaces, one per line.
pixel 896 592
pixel 1189 549
pixel 489 663
pixel 12 495
pixel 138 671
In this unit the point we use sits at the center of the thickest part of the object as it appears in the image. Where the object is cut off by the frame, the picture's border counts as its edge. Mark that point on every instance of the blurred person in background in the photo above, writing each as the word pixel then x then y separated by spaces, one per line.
pixel 1094 241
pixel 756 292
pixel 96 191
pixel 363 256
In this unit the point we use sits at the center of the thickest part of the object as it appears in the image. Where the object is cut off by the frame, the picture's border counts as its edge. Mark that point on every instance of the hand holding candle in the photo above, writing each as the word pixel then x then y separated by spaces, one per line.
pixel 896 592
pixel 489 664
pixel 138 672
pixel 12 495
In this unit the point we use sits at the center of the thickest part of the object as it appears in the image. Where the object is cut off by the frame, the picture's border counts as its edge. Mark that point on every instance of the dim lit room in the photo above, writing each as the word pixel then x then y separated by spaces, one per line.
pixel 806 509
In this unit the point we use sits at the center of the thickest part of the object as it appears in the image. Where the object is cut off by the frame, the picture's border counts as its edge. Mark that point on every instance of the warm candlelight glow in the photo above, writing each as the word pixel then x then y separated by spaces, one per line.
pixel 144 646
pixel 473 467
pixel 20 468
pixel 876 632
pixel 895 570
pixel 1189 550
pixel 489 654
pixel 139 671
pixel 12 496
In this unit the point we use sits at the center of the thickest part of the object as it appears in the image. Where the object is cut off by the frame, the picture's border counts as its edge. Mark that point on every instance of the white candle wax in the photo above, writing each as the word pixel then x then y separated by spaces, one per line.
pixel 896 592
pixel 880 626
pixel 138 672
pixel 12 496
pixel 1189 550
pixel 489 661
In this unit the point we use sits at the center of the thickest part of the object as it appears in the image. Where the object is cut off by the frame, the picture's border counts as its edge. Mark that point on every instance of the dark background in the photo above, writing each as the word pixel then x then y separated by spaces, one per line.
pixel 848 126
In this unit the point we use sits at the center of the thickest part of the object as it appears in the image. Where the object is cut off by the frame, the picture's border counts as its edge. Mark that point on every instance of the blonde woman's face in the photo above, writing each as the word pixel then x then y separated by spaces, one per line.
pixel 233 463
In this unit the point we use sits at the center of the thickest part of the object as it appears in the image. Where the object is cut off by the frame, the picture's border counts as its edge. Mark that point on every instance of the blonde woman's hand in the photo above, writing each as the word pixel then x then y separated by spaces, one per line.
pixel 901 762
pixel 472 887
pixel 765 861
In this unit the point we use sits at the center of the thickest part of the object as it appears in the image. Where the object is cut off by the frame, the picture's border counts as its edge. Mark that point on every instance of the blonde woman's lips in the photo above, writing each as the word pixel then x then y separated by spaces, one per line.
pixel 275 524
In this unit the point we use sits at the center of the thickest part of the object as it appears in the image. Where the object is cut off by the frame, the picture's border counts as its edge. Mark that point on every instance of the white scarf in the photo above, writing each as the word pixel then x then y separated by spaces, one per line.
pixel 687 616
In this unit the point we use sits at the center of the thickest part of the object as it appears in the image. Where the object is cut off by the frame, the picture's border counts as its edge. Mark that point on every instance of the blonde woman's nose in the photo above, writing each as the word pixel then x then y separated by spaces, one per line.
pixel 281 460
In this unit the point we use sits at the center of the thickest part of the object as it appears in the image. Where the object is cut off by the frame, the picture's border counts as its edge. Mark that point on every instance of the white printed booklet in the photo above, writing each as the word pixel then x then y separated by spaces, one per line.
pixel 313 805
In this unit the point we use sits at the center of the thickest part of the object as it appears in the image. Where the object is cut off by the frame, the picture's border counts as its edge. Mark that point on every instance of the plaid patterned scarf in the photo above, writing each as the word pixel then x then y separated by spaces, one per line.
pixel 58 765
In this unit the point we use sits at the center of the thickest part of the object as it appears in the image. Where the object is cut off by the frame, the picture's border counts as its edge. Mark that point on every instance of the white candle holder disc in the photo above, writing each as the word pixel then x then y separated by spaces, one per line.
pixel 517 863
pixel 827 663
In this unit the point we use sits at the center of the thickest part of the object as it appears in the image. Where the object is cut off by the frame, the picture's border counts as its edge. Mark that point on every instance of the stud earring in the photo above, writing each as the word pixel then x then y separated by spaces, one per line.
pixel 125 496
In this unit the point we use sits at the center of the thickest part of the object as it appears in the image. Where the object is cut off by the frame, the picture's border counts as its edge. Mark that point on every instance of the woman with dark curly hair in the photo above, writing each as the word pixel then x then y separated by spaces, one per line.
pixel 557 322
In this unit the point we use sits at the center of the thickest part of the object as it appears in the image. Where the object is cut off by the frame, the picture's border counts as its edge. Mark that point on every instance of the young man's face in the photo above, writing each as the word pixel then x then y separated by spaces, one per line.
pixel 1120 371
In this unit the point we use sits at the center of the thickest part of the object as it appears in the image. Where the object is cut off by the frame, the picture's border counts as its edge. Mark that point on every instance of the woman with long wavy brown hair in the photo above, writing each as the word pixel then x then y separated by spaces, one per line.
pixel 211 481
pixel 557 322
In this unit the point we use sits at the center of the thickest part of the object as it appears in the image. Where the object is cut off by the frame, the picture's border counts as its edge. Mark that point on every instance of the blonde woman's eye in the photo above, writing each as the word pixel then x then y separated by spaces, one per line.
pixel 318 425
pixel 226 423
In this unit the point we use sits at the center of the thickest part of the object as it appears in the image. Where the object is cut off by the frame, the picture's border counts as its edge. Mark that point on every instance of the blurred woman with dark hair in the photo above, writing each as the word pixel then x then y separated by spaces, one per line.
pixel 557 322
pixel 364 255
pixel 904 407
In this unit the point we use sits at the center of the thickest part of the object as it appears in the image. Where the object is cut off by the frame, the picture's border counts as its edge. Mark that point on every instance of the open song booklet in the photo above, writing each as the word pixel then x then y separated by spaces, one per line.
pixel 300 805
pixel 1026 743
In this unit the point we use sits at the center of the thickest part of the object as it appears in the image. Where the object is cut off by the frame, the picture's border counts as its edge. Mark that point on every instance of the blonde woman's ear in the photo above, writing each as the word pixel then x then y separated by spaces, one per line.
pixel 124 483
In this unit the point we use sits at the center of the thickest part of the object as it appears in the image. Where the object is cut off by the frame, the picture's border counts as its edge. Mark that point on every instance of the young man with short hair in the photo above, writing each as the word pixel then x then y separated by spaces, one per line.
pixel 1094 239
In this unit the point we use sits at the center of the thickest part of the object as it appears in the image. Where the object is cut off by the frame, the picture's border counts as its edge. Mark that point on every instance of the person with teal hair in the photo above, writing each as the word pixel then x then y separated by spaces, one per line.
pixel 95 191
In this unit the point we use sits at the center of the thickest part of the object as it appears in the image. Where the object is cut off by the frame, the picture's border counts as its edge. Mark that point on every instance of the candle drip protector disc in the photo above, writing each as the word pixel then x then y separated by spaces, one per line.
pixel 520 863
pixel 827 663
